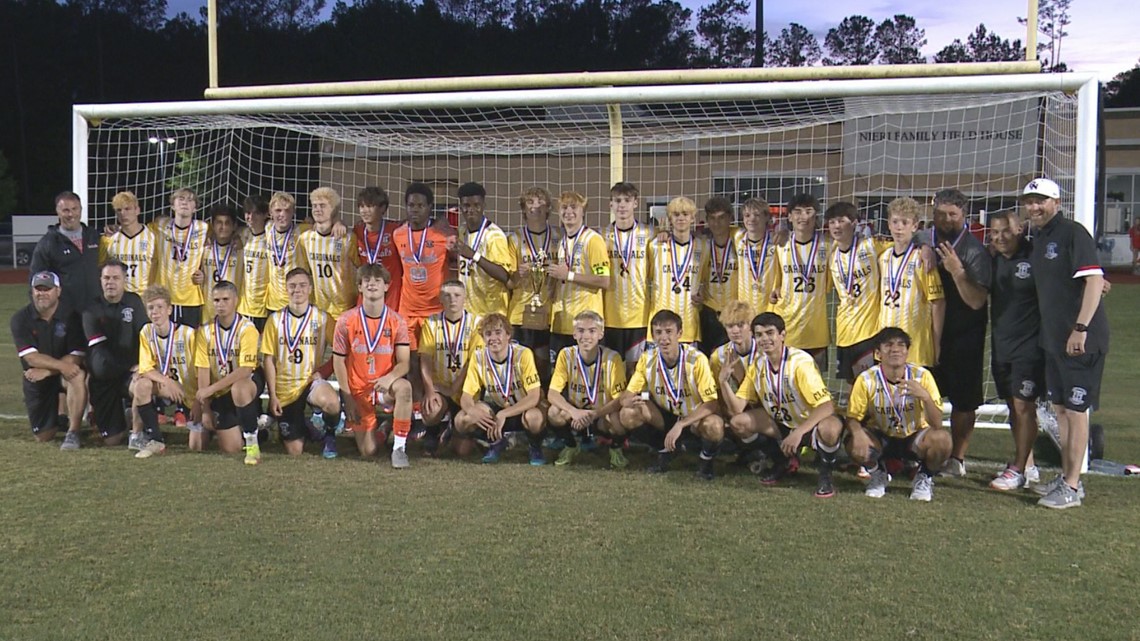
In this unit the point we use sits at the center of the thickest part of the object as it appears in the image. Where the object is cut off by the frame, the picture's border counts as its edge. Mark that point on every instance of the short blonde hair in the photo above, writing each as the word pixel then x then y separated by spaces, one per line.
pixel 736 312
pixel 589 315
pixel 328 194
pixel 571 198
pixel 681 205
pixel 124 199
pixel 281 197
pixel 904 208
pixel 185 191
pixel 156 292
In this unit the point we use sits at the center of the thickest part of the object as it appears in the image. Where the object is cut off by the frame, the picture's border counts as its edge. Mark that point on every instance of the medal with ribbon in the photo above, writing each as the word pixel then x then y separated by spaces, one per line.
pixel 756 267
pixel 417 272
pixel 280 252
pixel 847 277
pixel 181 249
pixel 953 245
pixel 718 270
pixel 896 405
pixel 805 269
pixel 293 339
pixel 674 390
pixel 568 255
pixel 625 246
pixel 224 343
pixel 679 274
pixel 502 383
pixel 453 343
pixel 372 340
pixel 775 380
pixel 372 253
pixel 895 273
pixel 165 354
pixel 583 370
pixel 535 252
pixel 221 263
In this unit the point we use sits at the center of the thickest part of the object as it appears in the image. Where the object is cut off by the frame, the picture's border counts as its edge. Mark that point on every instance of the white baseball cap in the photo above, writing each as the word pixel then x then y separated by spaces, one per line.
pixel 1042 187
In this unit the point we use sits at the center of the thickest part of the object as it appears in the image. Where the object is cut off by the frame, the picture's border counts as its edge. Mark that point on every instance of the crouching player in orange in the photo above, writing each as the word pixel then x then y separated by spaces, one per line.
pixel 501 392
pixel 585 391
pixel 370 358
pixel 296 372
pixel 896 412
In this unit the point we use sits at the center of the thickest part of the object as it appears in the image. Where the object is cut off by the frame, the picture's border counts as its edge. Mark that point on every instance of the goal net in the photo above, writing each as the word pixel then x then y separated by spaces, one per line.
pixel 867 142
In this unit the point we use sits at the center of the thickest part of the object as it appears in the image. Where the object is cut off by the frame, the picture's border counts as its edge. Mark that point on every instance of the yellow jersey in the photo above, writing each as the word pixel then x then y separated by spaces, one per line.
pixel 676 271
pixel 679 388
pixel 501 384
pixel 485 295
pixel 283 257
pixel 803 292
pixel 588 386
pixel 221 262
pixel 224 349
pixel 585 253
pixel 533 251
pixel 625 302
pixel 908 292
pixel 172 355
pixel 758 266
pixel 855 275
pixel 136 252
pixel 877 403
pixel 298 345
pixel 255 279
pixel 332 263
pixel 449 345
pixel 721 354
pixel 722 280
pixel 179 255
pixel 788 390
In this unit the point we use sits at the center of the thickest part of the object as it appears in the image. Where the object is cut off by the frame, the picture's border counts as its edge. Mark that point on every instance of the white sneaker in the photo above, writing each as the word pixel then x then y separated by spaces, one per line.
pixel 877 487
pixel 1032 475
pixel 1009 479
pixel 923 489
pixel 70 441
pixel 953 467
pixel 135 441
pixel 152 448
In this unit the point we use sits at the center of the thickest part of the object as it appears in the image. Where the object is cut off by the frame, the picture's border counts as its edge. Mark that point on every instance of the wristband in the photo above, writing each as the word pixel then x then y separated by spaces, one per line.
pixel 1080 327
pixel 570 277
pixel 475 257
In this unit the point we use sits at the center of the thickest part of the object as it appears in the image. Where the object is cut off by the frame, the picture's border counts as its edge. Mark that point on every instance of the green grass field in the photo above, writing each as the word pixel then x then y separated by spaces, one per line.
pixel 98 545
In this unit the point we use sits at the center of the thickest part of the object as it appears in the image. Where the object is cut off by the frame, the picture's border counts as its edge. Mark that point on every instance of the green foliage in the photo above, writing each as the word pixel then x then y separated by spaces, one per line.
pixel 795 47
pixel 725 39
pixel 982 46
pixel 900 41
pixel 1124 89
pixel 1052 18
pixel 190 171
pixel 852 42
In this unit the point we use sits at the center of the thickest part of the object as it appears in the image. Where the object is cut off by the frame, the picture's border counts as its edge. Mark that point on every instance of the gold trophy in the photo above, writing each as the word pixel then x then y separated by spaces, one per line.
pixel 537 279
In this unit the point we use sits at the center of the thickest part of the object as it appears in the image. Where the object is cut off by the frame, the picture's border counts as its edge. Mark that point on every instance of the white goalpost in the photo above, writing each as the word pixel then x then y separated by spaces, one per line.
pixel 863 140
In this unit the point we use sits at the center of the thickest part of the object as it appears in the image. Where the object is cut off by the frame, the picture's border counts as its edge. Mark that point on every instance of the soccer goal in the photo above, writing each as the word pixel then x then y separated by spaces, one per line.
pixel 867 141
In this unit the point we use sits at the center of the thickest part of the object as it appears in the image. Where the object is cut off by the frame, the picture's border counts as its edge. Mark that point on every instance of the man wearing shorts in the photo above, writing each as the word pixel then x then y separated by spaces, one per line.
pixel 447 341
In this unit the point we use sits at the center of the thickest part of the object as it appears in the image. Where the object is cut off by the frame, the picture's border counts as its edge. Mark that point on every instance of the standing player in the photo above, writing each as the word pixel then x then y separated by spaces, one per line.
pixel 50 343
pixel 331 258
pixel 296 371
pixel 485 259
pixel 722 279
pixel 375 240
pixel 580 269
pixel 181 248
pixel 1074 330
pixel 132 244
pixel 370 358
pixel 281 239
pixel 255 260
pixel 225 355
pixel 855 274
pixel 533 247
pixel 501 393
pixel 222 259
pixel 795 408
pixel 966 271
pixel 585 391
pixel 166 371
pixel 625 302
pixel 912 295
pixel 756 256
pixel 447 341
pixel 672 389
pixel 1016 360
pixel 677 269
pixel 801 291
pixel 896 412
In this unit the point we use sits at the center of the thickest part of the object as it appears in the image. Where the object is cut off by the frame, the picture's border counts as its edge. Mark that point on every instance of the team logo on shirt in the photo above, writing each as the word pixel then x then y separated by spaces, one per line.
pixel 1077 395
pixel 1028 388
pixel 1051 251
pixel 128 315
pixel 60 330
pixel 1022 270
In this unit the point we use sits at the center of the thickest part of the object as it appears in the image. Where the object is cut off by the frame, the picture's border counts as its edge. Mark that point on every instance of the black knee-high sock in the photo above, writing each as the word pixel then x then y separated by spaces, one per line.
pixel 873 455
pixel 567 434
pixel 247 418
pixel 149 415
pixel 709 449
pixel 534 439
pixel 771 448
pixel 332 423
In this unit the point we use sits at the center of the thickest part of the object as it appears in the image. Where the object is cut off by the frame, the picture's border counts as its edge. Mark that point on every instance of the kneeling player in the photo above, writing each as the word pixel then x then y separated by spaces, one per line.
pixel 225 353
pixel 370 358
pixel 896 411
pixel 731 361
pixel 447 340
pixel 501 392
pixel 294 346
pixel 593 378
pixel 671 389
pixel 795 406
pixel 166 371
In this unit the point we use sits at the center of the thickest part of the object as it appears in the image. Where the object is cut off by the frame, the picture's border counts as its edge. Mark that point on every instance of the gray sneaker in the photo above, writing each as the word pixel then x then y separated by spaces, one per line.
pixel 70 441
pixel 1061 498
pixel 923 488
pixel 877 487
pixel 1045 489
pixel 400 458
pixel 953 467
pixel 135 441
pixel 152 448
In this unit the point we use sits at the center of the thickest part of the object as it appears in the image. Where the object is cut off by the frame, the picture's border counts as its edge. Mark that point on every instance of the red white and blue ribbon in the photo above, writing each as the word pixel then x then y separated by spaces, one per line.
pixel 223 346
pixel 532 247
pixel 679 274
pixel 373 253
pixel 852 256
pixel 165 353
pixel 775 379
pixel 372 340
pixel 568 255
pixel 181 252
pixel 718 270
pixel 504 382
pixel 280 252
pixel 221 263
pixel 895 273
pixel 583 370
pixel 757 266
pixel 625 245
pixel 417 250
pixel 897 407
pixel 805 269
pixel 293 339
pixel 673 389
pixel 453 344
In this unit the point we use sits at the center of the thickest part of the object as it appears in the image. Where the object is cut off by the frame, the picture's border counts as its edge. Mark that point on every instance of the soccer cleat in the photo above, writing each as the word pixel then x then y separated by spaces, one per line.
pixel 1009 479
pixel 775 473
pixel 152 448
pixel 252 454
pixel 536 457
pixel 1062 497
pixel 179 418
pixel 495 451
pixel 617 459
pixel 1032 475
pixel 135 441
pixel 400 458
pixel 954 467
pixel 662 464
pixel 70 441
pixel 329 450
pixel 923 488
pixel 1045 489
pixel 705 470
pixel 877 486
pixel 826 488
pixel 566 456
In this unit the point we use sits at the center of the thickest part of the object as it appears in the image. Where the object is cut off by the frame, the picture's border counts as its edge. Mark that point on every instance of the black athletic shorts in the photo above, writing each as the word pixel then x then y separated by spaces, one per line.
pixel 110 399
pixel 559 342
pixel 959 371
pixel 628 342
pixel 225 412
pixel 513 424
pixel 713 334
pixel 853 360
pixel 891 447
pixel 819 355
pixel 535 339
pixel 1074 381
pixel 292 423
pixel 42 401
pixel 258 322
pixel 188 315
pixel 1023 379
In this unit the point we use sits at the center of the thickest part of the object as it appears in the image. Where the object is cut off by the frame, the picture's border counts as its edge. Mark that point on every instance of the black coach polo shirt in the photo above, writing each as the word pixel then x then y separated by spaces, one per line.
pixel 1063 254
pixel 60 335
pixel 960 317
pixel 1013 307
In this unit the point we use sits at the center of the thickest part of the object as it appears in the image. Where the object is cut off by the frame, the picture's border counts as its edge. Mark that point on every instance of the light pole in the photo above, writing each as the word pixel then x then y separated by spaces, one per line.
pixel 163 142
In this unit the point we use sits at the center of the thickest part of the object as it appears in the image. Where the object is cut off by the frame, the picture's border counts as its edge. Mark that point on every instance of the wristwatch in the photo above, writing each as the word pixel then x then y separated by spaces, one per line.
pixel 1080 327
